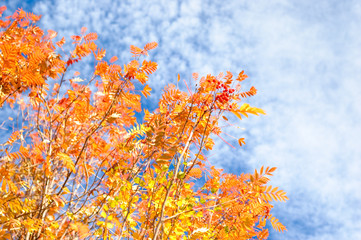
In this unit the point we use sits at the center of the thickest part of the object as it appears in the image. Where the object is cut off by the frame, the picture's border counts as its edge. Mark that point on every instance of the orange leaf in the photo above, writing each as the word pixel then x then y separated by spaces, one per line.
pixel 76 38
pixel 150 46
pixel 52 34
pixel 83 30
pixel 61 42
pixel 91 37
pixel 241 141
pixel 67 161
pixel 101 53
pixel 146 91
pixel 113 59
pixel 149 67
pixel 135 50
pixel 2 9
pixel 81 228
pixel 241 76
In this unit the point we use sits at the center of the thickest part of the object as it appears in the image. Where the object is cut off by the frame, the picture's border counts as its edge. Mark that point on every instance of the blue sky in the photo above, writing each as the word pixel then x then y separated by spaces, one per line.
pixel 304 57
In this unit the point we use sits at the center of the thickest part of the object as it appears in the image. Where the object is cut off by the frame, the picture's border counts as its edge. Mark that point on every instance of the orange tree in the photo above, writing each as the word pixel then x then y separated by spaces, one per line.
pixel 81 165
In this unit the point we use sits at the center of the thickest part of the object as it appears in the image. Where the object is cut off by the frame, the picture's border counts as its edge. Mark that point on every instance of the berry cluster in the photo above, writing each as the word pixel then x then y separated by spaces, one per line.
pixel 224 92
pixel 224 96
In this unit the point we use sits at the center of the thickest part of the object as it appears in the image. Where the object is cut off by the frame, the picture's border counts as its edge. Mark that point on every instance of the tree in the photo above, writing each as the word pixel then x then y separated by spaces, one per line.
pixel 81 165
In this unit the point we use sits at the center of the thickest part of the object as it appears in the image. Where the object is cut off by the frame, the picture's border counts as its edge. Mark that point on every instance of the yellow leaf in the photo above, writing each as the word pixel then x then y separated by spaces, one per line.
pixel 237 114
pixel 259 110
pixel 67 161
pixel 110 225
pixel 244 107
pixel 66 190
pixel 77 79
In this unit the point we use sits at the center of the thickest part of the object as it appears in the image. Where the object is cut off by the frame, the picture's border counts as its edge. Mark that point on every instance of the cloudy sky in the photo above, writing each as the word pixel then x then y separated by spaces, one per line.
pixel 304 57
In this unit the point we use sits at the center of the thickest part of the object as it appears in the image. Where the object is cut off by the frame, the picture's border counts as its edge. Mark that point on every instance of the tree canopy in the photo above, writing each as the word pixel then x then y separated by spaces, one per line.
pixel 80 164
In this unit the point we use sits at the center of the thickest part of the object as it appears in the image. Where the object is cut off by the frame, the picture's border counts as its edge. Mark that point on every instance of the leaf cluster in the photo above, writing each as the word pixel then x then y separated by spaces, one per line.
pixel 81 165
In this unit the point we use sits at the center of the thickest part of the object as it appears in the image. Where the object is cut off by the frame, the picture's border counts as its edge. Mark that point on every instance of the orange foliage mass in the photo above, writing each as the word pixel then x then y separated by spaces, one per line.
pixel 81 164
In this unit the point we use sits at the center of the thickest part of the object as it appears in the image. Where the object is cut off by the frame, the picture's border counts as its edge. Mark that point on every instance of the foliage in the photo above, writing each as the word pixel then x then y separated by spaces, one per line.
pixel 81 165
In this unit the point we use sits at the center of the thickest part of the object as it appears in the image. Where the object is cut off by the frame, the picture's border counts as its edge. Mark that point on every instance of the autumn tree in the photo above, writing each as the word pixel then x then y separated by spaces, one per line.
pixel 80 164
